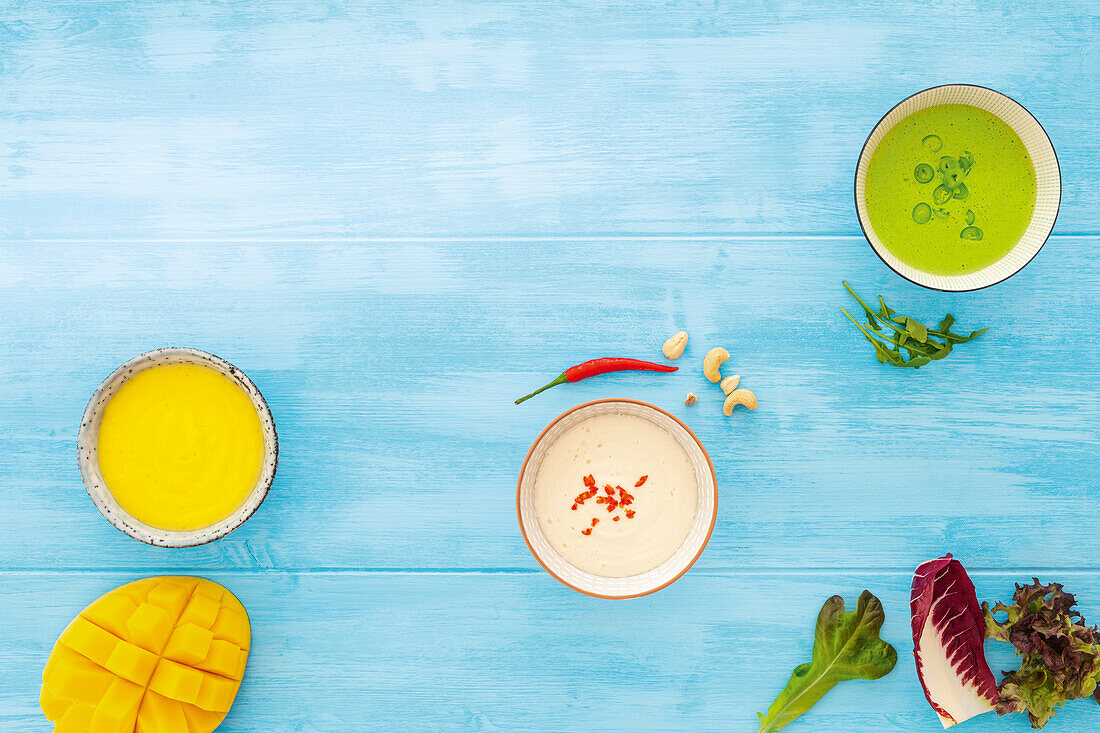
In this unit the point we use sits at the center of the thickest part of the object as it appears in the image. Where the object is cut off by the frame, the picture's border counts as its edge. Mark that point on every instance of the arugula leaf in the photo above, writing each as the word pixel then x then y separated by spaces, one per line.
pixel 846 647
pixel 916 329
pixel 919 355
pixel 885 312
pixel 921 343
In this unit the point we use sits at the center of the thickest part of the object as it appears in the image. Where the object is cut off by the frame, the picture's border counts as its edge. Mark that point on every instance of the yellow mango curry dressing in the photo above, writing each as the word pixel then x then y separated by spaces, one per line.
pixel 180 446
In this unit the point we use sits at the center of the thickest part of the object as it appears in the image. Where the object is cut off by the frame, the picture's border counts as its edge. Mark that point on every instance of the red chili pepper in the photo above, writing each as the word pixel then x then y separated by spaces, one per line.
pixel 600 366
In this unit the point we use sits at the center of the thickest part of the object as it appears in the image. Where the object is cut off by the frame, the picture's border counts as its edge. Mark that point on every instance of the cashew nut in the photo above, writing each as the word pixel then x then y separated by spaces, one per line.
pixel 739 397
pixel 712 361
pixel 674 347
pixel 730 383
pixel 691 399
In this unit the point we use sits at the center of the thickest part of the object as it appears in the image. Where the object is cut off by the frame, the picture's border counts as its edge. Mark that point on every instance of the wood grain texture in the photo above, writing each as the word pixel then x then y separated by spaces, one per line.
pixel 398 217
pixel 391 370
pixel 301 118
pixel 497 652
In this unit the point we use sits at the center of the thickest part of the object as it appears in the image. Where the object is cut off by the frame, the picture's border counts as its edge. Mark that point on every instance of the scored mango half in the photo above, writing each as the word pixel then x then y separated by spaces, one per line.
pixel 160 655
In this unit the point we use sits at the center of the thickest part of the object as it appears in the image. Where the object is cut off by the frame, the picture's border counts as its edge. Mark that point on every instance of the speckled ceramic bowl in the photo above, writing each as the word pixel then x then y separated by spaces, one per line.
pixel 634 585
pixel 1048 180
pixel 88 440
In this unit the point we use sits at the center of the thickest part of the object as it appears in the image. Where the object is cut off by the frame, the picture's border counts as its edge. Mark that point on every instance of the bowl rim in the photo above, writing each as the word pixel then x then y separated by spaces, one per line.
pixel 122 520
pixel 523 471
pixel 863 149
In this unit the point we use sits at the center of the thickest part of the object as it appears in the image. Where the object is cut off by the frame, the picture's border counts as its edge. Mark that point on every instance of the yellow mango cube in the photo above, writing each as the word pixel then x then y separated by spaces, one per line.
pixel 88 640
pixel 110 613
pixel 216 693
pixel 150 626
pixel 160 655
pixel 176 681
pixel 77 719
pixel 160 713
pixel 232 626
pixel 200 719
pixel 73 679
pixel 202 611
pixel 132 663
pixel 171 596
pixel 117 711
pixel 224 658
pixel 54 707
pixel 190 644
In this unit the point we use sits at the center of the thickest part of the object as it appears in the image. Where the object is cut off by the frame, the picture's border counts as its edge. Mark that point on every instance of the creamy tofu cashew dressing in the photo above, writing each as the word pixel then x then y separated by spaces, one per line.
pixel 637 527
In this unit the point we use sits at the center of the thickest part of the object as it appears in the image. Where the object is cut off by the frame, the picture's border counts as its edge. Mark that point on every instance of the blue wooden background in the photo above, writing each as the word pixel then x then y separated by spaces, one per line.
pixel 398 216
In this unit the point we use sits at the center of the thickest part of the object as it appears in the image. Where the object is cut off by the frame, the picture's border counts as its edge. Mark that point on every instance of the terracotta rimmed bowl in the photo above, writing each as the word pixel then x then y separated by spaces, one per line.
pixel 635 585
pixel 88 440
pixel 1048 180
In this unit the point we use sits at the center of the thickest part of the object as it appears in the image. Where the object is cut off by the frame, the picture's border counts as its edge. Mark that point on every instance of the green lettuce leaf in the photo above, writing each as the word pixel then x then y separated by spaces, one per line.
pixel 846 647
pixel 1060 656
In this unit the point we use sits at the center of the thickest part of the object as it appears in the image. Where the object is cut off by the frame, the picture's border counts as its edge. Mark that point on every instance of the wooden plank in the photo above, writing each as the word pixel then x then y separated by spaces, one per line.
pixel 391 370
pixel 213 119
pixel 516 652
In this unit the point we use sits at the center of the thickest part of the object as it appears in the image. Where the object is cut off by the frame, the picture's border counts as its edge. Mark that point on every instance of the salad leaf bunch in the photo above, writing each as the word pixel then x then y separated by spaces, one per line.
pixel 1060 654
pixel 921 344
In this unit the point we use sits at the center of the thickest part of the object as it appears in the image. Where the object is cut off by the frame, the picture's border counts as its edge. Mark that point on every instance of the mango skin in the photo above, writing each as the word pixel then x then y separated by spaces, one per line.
pixel 160 655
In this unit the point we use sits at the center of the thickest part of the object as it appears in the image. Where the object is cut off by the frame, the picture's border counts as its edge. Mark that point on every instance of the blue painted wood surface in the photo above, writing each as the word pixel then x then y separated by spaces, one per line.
pixel 397 217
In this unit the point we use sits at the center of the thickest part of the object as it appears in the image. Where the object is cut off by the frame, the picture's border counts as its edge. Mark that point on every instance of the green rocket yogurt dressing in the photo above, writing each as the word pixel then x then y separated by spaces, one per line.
pixel 950 189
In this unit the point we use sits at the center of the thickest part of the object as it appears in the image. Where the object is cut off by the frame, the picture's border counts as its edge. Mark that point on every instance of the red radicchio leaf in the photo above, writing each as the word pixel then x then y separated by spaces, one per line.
pixel 948 638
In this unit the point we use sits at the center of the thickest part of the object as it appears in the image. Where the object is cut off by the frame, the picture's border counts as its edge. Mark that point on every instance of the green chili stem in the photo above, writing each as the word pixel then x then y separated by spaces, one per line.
pixel 560 380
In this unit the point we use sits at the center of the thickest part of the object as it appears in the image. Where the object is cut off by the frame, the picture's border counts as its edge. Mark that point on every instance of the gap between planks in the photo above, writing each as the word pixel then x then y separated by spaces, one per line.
pixel 712 572
pixel 474 239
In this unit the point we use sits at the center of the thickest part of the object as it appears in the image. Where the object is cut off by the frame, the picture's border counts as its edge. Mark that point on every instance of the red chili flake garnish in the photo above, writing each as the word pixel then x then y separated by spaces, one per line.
pixel 584 496
pixel 613 502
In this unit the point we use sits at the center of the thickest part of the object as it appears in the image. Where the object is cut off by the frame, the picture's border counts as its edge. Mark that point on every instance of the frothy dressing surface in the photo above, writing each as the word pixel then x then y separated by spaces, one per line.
pixel 616 450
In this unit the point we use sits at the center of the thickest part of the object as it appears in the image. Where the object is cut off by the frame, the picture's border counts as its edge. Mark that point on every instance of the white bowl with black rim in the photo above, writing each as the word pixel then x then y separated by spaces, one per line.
pixel 88 459
pixel 1048 184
